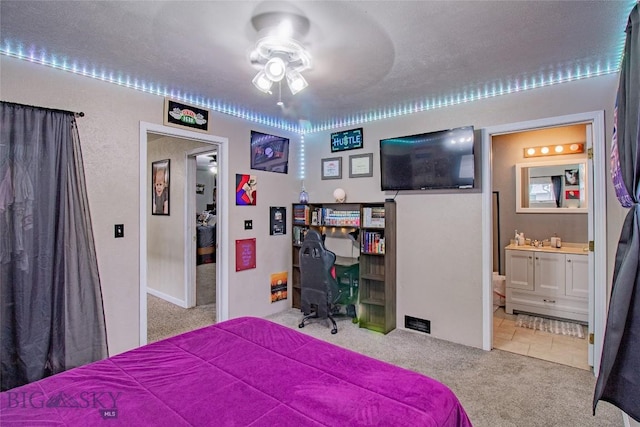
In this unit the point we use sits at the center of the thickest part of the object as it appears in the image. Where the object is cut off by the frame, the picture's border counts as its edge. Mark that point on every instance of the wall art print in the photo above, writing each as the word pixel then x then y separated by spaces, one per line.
pixel 246 190
pixel 160 178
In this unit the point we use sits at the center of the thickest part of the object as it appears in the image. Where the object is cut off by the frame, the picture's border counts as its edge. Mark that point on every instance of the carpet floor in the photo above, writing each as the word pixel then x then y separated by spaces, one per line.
pixel 496 388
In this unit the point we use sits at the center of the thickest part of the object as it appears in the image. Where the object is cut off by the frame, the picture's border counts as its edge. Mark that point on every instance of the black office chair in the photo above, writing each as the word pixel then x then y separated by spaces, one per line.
pixel 319 287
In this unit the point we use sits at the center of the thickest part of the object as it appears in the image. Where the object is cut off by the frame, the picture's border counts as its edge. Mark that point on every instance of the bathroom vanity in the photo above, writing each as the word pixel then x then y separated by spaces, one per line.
pixel 548 281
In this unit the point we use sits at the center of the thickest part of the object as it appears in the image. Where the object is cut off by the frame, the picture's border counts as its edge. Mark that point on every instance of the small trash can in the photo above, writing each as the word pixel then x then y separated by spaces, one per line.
pixel 499 289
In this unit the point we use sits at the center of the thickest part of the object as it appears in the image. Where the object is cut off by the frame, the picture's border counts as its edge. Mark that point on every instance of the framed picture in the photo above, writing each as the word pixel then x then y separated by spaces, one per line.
pixel 160 179
pixel 571 177
pixel 246 190
pixel 278 286
pixel 361 165
pixel 332 168
pixel 181 115
pixel 572 195
pixel 245 254
pixel 277 220
pixel 269 152
pixel 346 140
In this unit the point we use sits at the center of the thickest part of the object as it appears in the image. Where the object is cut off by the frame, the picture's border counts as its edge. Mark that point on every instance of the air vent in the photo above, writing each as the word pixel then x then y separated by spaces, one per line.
pixel 416 324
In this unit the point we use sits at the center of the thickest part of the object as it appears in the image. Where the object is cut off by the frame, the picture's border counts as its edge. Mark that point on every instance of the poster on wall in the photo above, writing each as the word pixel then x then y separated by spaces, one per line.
pixel 245 254
pixel 572 195
pixel 346 140
pixel 269 152
pixel 278 286
pixel 277 220
pixel 246 190
pixel 181 115
pixel 160 174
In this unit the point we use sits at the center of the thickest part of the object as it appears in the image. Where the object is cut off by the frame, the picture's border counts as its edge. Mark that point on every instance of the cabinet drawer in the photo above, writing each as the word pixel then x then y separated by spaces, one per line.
pixel 566 307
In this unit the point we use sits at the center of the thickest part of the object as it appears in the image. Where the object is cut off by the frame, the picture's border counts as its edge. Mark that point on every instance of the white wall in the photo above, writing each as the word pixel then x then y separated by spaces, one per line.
pixel 439 243
pixel 109 135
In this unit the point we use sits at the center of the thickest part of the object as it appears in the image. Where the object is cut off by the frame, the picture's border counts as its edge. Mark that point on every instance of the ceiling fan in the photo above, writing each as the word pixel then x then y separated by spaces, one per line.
pixel 279 53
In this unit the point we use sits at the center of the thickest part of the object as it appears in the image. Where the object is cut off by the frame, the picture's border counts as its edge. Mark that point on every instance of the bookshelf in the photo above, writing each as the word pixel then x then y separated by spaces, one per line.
pixel 376 223
pixel 378 267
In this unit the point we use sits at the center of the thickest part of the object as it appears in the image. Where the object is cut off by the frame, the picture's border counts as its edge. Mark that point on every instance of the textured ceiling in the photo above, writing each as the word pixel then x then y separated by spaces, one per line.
pixel 369 58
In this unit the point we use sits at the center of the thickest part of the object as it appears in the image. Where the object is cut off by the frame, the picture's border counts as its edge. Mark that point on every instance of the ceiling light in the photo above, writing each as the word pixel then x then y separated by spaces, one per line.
pixel 544 150
pixel 295 81
pixel 275 69
pixel 277 56
pixel 262 82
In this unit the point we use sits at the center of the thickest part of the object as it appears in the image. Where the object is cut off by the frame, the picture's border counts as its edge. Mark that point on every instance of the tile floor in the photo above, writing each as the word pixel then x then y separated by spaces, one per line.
pixel 542 345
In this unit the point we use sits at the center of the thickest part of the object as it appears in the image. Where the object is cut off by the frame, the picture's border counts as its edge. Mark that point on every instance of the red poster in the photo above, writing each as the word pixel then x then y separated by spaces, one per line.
pixel 245 254
pixel 572 194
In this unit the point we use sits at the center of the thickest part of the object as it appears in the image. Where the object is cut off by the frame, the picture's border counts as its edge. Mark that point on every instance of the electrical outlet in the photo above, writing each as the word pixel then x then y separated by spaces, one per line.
pixel 248 224
pixel 119 230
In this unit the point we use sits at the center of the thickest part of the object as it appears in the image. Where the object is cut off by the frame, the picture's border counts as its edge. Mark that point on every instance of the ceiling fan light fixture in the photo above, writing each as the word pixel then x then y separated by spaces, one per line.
pixel 262 82
pixel 295 81
pixel 275 69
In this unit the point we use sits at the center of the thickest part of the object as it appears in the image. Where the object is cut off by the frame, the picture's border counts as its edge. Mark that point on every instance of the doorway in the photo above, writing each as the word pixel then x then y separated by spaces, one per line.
pixel 548 328
pixel 179 256
pixel 594 121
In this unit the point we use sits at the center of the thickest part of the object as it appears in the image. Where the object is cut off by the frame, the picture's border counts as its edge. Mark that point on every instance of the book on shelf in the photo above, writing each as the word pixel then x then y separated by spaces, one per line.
pixel 301 214
pixel 373 242
pixel 298 234
pixel 373 216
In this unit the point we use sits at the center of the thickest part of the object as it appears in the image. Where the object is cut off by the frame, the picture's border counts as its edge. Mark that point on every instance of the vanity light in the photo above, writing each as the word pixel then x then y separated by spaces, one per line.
pixel 574 148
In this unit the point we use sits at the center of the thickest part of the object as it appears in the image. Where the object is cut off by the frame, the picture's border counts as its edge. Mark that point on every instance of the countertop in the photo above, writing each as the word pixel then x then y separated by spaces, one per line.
pixel 567 248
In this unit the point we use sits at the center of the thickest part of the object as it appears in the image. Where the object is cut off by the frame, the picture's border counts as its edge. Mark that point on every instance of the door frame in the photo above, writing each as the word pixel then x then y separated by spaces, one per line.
pixel 190 226
pixel 597 209
pixel 222 273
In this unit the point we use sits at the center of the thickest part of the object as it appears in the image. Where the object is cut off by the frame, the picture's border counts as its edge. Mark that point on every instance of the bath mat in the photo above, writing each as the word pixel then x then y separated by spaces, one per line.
pixel 559 327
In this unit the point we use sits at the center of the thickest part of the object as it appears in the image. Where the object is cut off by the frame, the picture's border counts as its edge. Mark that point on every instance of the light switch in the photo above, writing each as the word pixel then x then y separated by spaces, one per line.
pixel 119 230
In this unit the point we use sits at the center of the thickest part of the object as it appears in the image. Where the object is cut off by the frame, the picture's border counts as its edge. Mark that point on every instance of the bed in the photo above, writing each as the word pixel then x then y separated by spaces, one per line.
pixel 206 244
pixel 242 372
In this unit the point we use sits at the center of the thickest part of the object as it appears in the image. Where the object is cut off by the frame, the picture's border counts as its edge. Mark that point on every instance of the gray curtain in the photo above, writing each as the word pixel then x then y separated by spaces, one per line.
pixel 52 317
pixel 619 378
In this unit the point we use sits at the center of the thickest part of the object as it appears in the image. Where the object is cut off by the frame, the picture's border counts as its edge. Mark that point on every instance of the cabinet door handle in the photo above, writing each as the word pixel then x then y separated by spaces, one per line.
pixel 568 260
pixel 549 300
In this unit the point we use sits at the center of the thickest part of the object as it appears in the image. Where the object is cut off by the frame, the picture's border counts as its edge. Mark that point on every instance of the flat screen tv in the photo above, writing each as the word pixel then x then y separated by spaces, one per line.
pixel 427 161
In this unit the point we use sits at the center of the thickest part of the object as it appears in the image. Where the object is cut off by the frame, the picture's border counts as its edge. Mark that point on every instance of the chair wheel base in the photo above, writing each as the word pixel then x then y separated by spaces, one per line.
pixel 301 325
pixel 334 331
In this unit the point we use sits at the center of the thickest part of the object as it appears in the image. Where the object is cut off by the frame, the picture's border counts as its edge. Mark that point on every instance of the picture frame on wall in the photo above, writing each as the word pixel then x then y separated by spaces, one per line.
pixel 180 115
pixel 277 220
pixel 361 165
pixel 160 180
pixel 331 168
pixel 347 140
pixel 269 152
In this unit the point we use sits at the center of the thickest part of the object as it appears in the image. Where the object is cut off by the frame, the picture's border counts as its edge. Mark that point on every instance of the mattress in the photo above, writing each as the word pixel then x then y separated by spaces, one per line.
pixel 242 372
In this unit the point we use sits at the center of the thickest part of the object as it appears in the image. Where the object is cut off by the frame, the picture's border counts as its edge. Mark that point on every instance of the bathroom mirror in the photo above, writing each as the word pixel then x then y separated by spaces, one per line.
pixel 552 187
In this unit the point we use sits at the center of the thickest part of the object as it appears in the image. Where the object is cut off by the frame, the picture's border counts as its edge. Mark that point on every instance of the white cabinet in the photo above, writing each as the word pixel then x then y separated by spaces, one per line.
pixel 549 283
pixel 577 276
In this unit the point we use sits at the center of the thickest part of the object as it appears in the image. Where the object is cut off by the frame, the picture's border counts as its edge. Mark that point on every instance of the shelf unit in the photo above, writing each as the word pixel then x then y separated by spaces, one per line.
pixel 376 223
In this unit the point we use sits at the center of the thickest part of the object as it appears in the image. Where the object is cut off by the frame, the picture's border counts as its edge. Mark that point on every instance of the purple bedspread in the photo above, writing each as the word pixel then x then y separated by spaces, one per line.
pixel 242 372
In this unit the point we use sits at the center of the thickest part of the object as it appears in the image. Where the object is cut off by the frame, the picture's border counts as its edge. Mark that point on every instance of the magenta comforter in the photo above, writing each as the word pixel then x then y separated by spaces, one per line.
pixel 242 372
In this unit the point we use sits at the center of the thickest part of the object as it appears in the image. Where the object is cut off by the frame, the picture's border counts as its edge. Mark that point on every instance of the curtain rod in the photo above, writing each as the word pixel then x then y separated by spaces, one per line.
pixel 75 113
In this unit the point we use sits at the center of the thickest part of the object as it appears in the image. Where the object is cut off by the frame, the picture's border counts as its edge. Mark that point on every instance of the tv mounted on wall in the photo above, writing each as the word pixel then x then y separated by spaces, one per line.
pixel 435 160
